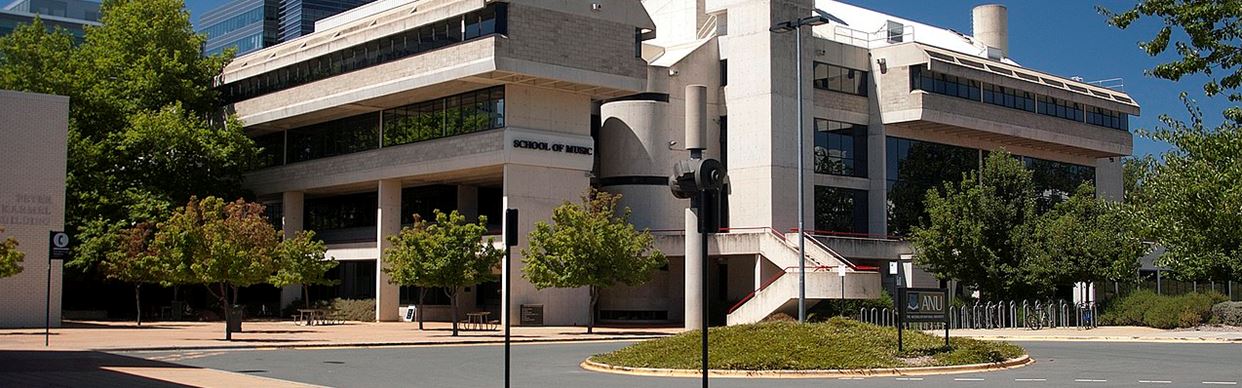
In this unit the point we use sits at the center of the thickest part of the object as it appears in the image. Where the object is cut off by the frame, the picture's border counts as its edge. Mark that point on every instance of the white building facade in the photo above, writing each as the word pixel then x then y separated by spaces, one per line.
pixel 398 108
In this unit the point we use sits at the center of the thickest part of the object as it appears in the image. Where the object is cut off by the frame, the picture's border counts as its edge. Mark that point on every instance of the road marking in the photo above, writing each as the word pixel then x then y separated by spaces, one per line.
pixel 968 379
pixel 1155 382
pixel 1090 381
pixel 909 379
pixel 1221 382
pixel 1030 380
pixel 848 378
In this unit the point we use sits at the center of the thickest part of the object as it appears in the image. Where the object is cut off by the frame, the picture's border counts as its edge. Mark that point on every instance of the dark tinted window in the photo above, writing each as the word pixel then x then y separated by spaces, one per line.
pixel 840 148
pixel 840 79
pixel 840 210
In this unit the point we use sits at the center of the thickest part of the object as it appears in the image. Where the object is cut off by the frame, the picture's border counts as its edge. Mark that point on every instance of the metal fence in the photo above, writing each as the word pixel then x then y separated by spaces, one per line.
pixel 1000 314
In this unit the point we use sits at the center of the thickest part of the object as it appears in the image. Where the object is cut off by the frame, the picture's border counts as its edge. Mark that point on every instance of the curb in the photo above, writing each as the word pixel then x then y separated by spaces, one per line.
pixel 1184 340
pixel 1024 360
pixel 375 344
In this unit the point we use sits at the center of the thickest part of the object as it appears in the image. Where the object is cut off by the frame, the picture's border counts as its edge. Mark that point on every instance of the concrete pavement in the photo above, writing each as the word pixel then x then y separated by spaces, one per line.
pixel 1218 334
pixel 117 336
pixel 65 368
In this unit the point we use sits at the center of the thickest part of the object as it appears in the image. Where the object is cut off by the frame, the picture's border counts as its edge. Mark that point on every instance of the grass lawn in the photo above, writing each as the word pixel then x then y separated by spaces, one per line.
pixel 836 344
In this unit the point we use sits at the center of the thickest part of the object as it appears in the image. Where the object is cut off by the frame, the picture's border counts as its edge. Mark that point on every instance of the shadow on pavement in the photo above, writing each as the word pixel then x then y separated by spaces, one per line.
pixel 20 368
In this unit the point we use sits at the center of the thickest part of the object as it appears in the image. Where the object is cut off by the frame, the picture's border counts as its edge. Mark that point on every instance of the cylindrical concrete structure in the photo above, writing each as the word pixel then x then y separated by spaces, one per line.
pixel 696 117
pixel 694 272
pixel 991 26
pixel 638 159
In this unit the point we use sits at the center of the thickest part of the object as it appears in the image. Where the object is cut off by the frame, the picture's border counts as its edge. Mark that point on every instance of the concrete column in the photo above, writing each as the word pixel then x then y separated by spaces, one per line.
pixel 468 201
pixel 388 223
pixel 1109 183
pixel 292 207
pixel 694 273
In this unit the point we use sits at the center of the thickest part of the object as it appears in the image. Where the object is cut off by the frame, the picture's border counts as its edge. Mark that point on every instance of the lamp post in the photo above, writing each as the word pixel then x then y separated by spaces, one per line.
pixel 796 27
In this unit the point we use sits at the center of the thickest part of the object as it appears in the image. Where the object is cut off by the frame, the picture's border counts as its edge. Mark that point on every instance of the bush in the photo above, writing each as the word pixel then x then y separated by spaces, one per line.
pixel 826 309
pixel 1228 313
pixel 1145 308
pixel 361 310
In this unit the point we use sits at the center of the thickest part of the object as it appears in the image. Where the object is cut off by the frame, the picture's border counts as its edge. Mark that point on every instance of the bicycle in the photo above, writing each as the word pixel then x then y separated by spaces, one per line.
pixel 1036 319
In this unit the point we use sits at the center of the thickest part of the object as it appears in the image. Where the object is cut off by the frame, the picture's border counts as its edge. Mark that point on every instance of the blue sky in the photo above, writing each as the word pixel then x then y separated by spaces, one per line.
pixel 1063 37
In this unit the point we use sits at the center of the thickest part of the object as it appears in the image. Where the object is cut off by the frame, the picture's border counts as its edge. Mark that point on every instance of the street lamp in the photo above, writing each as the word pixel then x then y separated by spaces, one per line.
pixel 781 28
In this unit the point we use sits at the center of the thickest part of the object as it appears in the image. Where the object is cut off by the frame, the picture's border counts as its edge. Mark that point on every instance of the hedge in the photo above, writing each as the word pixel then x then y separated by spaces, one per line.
pixel 1228 313
pixel 1145 308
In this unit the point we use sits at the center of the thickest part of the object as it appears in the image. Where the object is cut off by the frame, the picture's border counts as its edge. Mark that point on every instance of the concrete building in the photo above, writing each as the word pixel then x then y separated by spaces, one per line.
pixel 71 15
pixel 401 107
pixel 249 25
pixel 33 134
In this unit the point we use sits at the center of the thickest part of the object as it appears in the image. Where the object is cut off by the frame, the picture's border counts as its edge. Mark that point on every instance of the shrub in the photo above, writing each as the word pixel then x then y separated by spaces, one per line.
pixel 826 309
pixel 1228 313
pixel 1145 308
pixel 779 317
pixel 361 310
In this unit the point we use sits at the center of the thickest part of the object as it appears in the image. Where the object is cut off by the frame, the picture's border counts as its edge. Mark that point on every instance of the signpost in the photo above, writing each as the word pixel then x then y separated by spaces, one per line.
pixel 921 305
pixel 57 249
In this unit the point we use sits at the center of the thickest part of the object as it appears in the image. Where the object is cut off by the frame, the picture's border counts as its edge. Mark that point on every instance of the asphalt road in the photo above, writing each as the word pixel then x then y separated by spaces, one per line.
pixel 1058 364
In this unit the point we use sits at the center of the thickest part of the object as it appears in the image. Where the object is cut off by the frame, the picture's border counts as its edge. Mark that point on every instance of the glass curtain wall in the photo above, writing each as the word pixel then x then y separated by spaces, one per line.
pixel 840 210
pixel 840 148
pixel 913 168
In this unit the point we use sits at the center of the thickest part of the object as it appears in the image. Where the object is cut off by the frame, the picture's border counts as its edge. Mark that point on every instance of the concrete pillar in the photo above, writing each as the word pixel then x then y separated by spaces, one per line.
pixel 1109 183
pixel 388 223
pixel 292 207
pixel 468 201
pixel 694 273
pixel 991 26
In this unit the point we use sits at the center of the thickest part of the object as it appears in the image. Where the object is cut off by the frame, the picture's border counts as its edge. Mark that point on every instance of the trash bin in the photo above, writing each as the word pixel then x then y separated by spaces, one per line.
pixel 235 319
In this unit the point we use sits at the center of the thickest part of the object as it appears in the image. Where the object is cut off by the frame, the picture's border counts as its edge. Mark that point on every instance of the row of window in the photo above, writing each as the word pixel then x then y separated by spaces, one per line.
pixel 246 44
pixel 468 112
pixel 940 83
pixel 840 148
pixel 228 25
pixel 840 79
pixel 473 25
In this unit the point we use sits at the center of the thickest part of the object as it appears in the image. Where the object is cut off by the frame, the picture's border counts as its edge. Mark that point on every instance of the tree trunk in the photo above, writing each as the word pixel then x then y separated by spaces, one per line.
pixel 591 308
pixel 418 311
pixel 453 300
pixel 138 303
pixel 224 302
pixel 306 296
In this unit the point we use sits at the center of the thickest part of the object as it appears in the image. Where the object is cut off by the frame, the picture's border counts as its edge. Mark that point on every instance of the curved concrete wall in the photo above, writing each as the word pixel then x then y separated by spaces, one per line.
pixel 991 26
pixel 636 137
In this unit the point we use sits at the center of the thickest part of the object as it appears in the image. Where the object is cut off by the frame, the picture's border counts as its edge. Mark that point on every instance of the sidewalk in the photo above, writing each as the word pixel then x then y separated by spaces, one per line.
pixel 124 336
pixel 1106 333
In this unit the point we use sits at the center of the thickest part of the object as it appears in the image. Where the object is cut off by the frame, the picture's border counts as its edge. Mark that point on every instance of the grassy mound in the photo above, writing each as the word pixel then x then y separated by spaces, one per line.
pixel 836 344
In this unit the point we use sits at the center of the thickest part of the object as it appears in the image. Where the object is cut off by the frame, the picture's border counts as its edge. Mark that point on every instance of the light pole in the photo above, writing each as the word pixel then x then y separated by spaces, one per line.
pixel 781 28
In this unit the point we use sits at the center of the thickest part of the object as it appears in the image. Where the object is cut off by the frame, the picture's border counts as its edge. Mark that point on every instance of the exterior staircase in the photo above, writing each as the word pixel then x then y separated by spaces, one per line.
pixel 779 293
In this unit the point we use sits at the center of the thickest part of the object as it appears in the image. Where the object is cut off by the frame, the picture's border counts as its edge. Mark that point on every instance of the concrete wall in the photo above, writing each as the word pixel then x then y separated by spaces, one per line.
pixel 32 201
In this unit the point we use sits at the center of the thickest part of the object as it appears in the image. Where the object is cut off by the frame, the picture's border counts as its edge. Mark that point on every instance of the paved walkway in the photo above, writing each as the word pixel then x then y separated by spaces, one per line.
pixel 1107 333
pixel 118 336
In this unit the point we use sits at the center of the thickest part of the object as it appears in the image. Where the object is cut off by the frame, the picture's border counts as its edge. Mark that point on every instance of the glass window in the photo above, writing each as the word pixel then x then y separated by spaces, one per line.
pixel 840 210
pixel 341 212
pixel 939 83
pixel 840 79
pixel 271 149
pixel 1009 97
pixel 914 167
pixel 475 111
pixel 1108 118
pixel 896 32
pixel 840 148
pixel 1060 108
pixel 477 24
pixel 1056 181
pixel 337 137
pixel 425 200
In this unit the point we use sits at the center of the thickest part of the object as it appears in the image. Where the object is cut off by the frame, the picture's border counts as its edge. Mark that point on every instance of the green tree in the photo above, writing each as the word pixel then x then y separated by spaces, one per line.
pixel 139 143
pixel 132 261
pixel 449 253
pixel 222 245
pixel 1087 239
pixel 1211 30
pixel 10 257
pixel 301 261
pixel 1193 200
pixel 590 245
pixel 1134 170
pixel 977 230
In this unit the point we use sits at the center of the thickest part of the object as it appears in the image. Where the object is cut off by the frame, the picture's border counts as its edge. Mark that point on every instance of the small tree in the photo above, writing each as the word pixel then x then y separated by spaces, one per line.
pixel 132 261
pixel 300 260
pixel 226 245
pixel 449 253
pixel 10 257
pixel 977 230
pixel 1088 239
pixel 590 245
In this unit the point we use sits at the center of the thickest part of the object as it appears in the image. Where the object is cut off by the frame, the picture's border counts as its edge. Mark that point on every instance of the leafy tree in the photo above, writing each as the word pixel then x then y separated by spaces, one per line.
pixel 1211 28
pixel 301 261
pixel 590 245
pixel 1193 200
pixel 10 257
pixel 978 229
pixel 225 245
pixel 132 261
pixel 1087 239
pixel 448 253
pixel 139 143
pixel 1134 170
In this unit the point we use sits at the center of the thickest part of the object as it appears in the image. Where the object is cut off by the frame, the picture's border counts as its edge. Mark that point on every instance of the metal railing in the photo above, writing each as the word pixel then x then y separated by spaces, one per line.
pixel 1011 314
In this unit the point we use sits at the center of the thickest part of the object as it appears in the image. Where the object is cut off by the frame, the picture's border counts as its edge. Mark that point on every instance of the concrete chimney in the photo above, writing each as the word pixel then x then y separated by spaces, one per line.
pixel 991 27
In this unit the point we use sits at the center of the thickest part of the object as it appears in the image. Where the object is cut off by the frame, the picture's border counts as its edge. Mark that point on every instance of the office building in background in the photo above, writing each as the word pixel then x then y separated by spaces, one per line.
pixel 250 25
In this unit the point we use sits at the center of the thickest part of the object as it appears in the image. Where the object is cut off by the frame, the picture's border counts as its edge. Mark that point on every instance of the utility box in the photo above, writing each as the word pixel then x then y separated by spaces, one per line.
pixel 531 315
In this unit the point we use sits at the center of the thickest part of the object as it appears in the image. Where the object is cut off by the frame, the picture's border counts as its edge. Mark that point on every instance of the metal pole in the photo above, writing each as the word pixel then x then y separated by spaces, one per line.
pixel 1159 290
pixel 801 192
pixel 703 205
pixel 47 310
pixel 507 317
